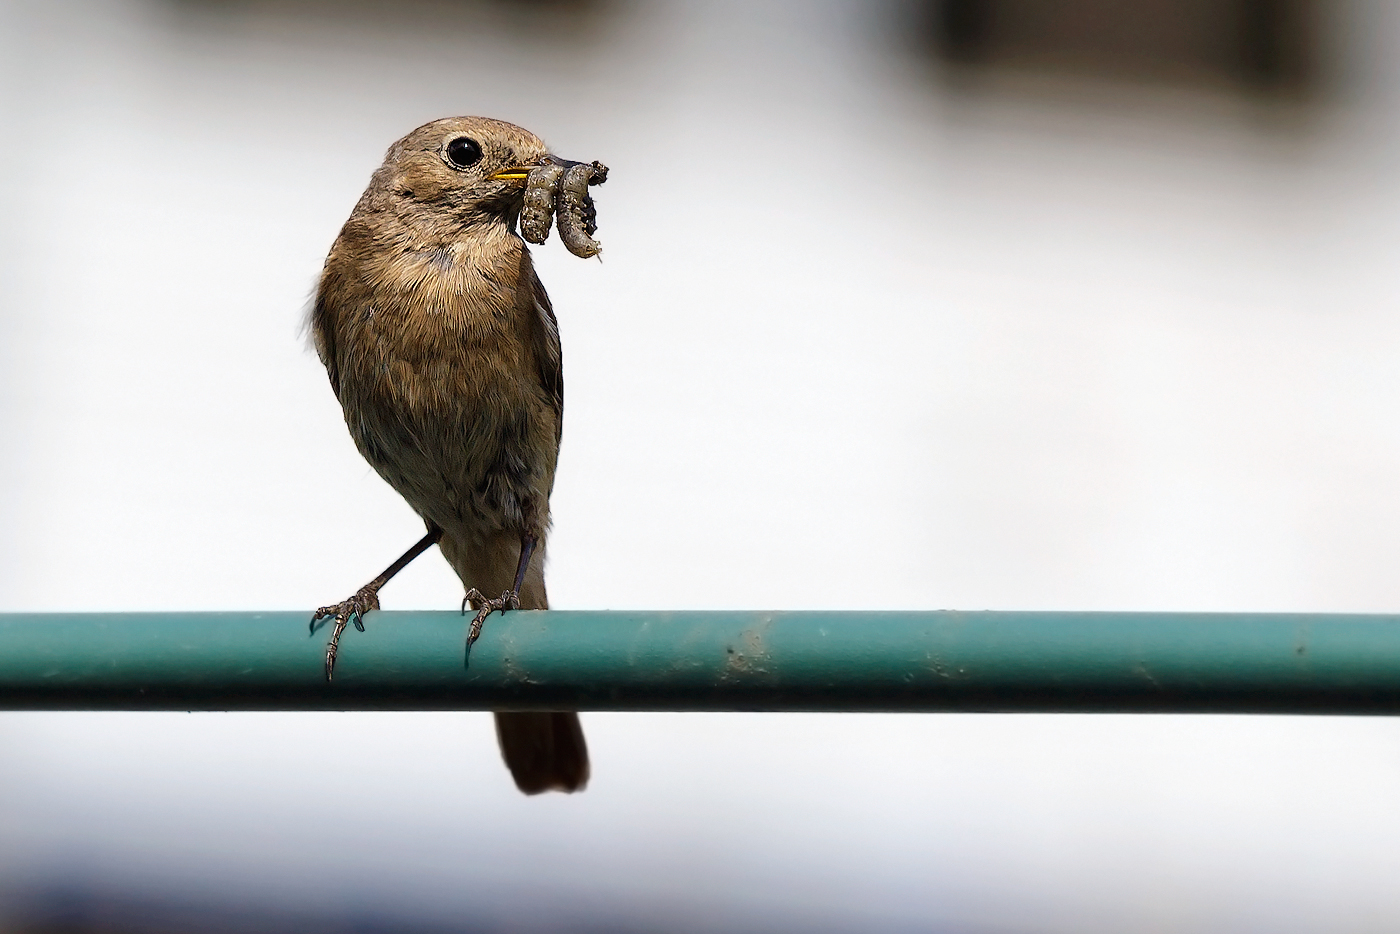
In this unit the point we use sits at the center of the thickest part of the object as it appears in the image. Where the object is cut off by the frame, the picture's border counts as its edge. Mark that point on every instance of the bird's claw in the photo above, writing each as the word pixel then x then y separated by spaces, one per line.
pixel 345 612
pixel 485 606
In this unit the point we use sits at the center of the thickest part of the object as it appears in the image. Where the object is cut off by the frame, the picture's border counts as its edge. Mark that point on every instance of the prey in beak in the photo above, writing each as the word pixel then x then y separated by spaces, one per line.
pixel 559 187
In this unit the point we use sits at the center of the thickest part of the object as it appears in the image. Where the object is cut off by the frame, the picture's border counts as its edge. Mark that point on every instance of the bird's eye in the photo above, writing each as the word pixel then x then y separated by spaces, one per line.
pixel 464 152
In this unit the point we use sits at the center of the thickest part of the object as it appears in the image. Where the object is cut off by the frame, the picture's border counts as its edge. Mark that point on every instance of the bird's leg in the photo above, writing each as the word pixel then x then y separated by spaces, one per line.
pixel 510 600
pixel 365 599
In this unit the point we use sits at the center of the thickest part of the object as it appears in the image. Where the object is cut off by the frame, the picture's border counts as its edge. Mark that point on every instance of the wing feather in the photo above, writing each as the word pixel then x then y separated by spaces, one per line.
pixel 549 352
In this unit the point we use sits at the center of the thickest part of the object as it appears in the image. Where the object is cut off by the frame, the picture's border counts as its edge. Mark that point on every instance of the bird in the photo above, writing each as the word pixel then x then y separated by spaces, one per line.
pixel 443 350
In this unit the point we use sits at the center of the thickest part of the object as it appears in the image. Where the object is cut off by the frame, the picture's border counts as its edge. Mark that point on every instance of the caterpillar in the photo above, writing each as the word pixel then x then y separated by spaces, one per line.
pixel 559 188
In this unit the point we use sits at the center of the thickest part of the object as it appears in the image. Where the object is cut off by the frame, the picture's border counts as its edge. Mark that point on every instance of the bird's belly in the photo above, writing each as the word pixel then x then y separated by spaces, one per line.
pixel 472 452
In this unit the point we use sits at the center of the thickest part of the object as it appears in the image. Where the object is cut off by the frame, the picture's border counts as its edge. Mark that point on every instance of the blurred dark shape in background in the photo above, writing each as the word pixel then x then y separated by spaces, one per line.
pixel 87 909
pixel 528 21
pixel 1270 46
pixel 84 907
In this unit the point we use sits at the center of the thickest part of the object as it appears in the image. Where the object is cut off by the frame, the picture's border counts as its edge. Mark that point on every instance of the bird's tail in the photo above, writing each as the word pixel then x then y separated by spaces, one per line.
pixel 544 751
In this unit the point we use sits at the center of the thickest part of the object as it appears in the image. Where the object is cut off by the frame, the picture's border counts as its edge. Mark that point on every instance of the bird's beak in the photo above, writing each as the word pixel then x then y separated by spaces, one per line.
pixel 518 173
pixel 514 173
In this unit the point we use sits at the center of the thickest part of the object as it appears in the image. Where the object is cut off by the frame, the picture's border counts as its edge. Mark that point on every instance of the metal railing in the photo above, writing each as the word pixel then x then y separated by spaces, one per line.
pixel 770 661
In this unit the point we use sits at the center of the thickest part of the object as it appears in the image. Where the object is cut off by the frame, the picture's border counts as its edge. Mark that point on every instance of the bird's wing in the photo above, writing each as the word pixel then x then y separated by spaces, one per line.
pixel 322 324
pixel 550 354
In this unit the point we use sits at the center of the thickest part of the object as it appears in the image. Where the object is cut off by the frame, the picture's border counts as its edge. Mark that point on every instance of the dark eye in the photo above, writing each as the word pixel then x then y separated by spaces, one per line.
pixel 464 152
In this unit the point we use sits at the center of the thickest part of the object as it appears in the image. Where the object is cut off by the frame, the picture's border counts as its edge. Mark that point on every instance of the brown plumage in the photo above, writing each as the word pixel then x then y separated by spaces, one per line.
pixel 443 350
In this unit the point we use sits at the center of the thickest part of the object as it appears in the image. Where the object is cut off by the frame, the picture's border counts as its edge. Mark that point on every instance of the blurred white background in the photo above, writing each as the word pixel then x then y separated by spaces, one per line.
pixel 871 330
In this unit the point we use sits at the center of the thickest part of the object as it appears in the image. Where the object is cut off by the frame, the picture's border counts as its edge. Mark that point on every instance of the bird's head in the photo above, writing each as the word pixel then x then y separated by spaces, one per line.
pixel 460 171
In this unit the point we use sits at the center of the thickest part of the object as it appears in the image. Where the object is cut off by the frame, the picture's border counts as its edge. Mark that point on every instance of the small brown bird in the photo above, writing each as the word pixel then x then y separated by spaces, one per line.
pixel 443 350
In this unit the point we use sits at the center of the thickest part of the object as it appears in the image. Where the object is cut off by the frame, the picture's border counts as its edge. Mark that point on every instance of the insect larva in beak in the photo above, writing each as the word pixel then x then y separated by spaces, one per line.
pixel 538 214
pixel 578 217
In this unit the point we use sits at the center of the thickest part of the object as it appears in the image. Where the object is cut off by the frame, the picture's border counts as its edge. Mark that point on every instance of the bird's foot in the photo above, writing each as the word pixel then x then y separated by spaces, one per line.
pixel 345 612
pixel 485 606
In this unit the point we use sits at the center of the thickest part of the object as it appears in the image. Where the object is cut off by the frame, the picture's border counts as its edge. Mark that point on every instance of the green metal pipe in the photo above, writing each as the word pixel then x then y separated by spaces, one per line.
pixel 864 661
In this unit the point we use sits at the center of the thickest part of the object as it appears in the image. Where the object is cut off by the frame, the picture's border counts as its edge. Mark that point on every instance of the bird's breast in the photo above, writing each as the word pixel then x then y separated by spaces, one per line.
pixel 442 395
